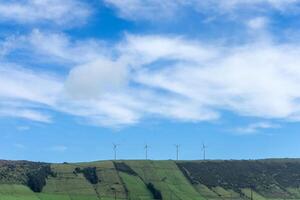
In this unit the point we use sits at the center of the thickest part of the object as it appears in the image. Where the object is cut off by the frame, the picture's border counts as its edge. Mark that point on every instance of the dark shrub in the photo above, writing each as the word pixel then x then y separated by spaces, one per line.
pixel 90 173
pixel 36 179
pixel 123 167
pixel 155 192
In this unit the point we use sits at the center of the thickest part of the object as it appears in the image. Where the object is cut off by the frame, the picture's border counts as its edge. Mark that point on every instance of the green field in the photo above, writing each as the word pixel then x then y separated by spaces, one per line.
pixel 149 180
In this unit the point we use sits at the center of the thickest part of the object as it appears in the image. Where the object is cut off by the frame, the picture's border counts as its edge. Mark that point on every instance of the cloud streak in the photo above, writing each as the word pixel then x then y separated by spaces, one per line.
pixel 25 113
pixel 58 148
pixel 25 93
pixel 23 84
pixel 144 9
pixel 40 11
pixel 256 127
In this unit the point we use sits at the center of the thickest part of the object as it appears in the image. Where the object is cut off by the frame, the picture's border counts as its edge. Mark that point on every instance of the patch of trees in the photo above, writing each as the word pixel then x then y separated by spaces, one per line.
pixel 264 176
pixel 155 192
pixel 31 174
pixel 123 167
pixel 36 179
pixel 90 173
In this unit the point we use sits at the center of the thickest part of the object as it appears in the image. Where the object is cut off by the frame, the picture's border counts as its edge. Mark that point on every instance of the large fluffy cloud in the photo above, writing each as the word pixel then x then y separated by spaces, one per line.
pixel 93 79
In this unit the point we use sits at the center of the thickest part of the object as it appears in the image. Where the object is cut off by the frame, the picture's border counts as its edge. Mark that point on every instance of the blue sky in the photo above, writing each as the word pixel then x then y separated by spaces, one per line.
pixel 77 76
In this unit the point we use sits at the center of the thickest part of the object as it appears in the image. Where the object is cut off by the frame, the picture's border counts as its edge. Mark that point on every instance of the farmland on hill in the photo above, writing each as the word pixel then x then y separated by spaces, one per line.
pixel 149 180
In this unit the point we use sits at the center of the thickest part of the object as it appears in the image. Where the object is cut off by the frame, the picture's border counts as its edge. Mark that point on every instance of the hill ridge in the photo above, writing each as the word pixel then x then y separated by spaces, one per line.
pixel 149 179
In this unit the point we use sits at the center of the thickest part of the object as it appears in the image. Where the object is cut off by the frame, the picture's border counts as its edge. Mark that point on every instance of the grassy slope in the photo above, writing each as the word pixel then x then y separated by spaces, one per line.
pixel 110 184
pixel 273 179
pixel 16 192
pixel 66 184
pixel 166 177
pixel 136 186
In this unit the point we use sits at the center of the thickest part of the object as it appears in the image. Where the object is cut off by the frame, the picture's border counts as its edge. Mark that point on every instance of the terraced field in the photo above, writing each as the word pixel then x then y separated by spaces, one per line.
pixel 149 180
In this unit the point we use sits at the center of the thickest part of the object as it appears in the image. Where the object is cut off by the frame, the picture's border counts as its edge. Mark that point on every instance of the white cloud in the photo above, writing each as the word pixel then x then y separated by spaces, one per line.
pixel 59 148
pixel 235 4
pixel 23 128
pixel 109 110
pixel 53 47
pixel 24 113
pixel 254 80
pixel 60 47
pixel 25 93
pixel 144 9
pixel 36 11
pixel 92 79
pixel 158 76
pixel 258 23
pixel 27 85
pixel 191 81
pixel 101 91
pixel 147 49
pixel 256 127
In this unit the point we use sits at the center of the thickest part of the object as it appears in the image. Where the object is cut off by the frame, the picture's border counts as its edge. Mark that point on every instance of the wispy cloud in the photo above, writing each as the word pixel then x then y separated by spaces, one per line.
pixel 60 47
pixel 25 93
pixel 23 128
pixel 17 82
pixel 58 148
pixel 256 127
pixel 144 9
pixel 262 5
pixel 247 79
pixel 157 76
pixel 25 113
pixel 41 11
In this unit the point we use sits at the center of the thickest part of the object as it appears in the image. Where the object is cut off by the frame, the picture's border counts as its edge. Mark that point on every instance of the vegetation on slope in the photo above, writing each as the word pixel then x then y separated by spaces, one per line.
pixel 90 173
pixel 270 178
pixel 149 180
pixel 32 174
pixel 155 192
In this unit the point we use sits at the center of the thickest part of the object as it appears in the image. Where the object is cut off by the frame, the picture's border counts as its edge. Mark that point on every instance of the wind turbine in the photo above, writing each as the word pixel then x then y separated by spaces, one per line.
pixel 204 151
pixel 177 151
pixel 115 148
pixel 146 151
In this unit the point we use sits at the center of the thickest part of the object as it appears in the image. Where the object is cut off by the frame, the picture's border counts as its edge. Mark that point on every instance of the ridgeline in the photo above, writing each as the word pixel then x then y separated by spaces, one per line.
pixel 148 180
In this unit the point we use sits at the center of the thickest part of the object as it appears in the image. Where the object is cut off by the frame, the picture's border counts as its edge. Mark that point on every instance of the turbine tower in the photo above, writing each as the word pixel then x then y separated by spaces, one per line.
pixel 204 151
pixel 177 151
pixel 146 151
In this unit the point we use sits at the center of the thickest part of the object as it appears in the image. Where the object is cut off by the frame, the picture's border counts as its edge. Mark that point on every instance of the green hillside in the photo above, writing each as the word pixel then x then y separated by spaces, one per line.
pixel 149 180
